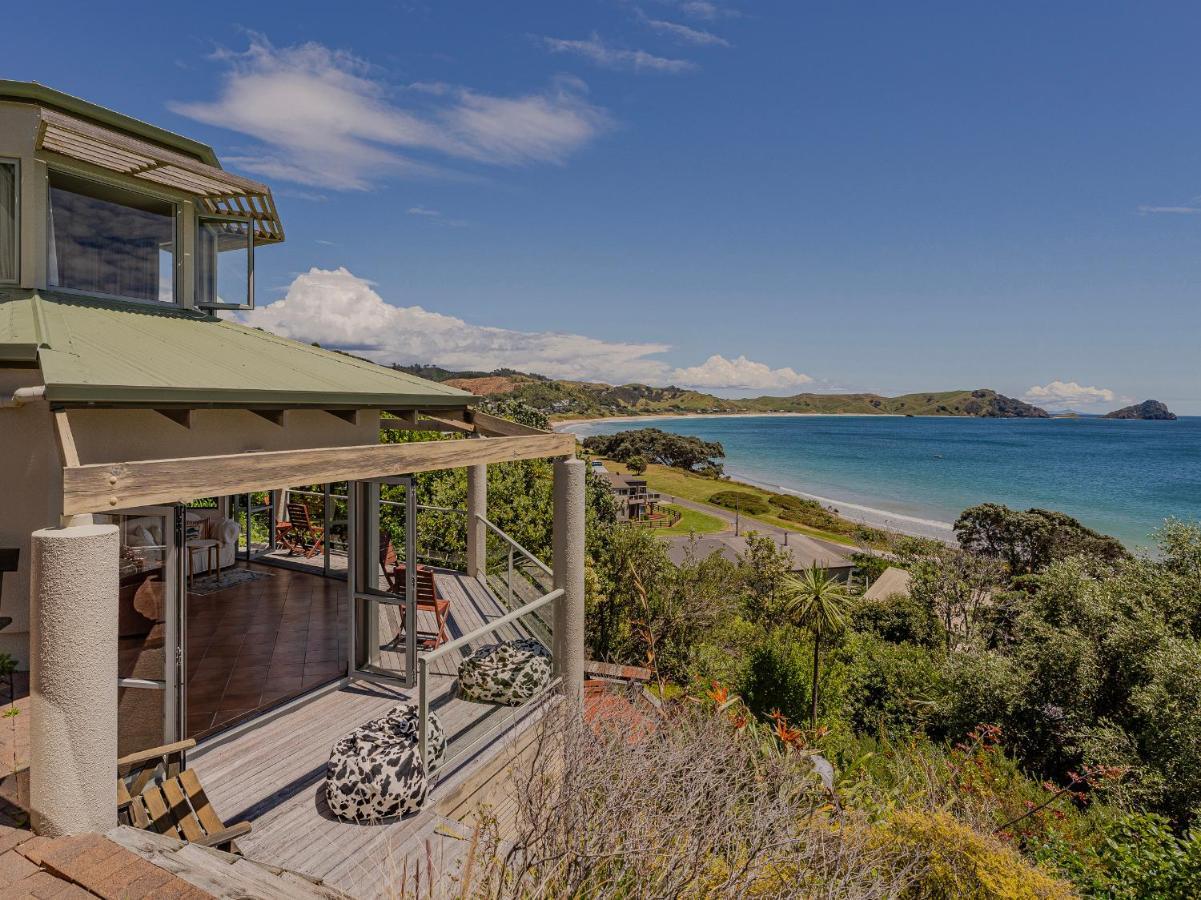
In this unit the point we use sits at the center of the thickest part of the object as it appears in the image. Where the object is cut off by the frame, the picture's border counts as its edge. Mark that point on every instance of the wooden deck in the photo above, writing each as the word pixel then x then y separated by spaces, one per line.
pixel 272 774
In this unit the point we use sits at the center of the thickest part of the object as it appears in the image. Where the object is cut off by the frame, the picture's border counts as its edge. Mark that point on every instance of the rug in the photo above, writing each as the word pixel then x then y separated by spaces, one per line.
pixel 202 585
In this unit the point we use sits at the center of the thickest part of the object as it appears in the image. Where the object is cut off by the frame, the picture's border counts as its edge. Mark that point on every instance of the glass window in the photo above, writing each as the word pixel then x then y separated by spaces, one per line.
pixel 224 263
pixel 8 221
pixel 107 241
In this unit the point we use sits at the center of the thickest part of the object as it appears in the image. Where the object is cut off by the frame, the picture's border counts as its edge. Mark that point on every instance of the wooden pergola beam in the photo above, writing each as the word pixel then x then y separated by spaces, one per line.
pixel 108 486
pixel 494 426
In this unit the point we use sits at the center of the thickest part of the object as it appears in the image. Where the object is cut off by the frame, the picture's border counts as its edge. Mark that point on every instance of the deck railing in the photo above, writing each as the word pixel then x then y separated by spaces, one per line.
pixel 425 660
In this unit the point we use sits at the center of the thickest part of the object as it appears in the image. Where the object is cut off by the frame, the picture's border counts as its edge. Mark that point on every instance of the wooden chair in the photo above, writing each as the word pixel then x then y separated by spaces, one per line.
pixel 156 794
pixel 300 534
pixel 428 598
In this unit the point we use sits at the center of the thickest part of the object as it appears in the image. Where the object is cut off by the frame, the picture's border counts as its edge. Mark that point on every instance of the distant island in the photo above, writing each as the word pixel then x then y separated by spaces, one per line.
pixel 1148 409
pixel 592 400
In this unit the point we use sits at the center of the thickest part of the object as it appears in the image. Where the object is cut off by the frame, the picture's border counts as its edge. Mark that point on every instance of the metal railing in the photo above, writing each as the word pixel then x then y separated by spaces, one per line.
pixel 424 661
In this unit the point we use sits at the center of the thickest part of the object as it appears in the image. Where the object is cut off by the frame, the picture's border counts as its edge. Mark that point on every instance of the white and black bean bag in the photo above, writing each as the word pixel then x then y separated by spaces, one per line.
pixel 374 772
pixel 509 673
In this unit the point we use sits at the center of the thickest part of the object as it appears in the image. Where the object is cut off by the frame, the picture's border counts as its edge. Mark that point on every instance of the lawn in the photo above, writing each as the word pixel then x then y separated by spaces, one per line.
pixel 691 522
pixel 676 483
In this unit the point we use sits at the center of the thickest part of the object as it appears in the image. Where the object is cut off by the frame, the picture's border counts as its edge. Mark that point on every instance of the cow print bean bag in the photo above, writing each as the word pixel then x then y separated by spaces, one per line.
pixel 374 772
pixel 510 673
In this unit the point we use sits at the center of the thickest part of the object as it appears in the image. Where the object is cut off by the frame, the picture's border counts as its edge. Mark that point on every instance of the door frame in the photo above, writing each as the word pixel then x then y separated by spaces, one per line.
pixel 362 579
pixel 174 618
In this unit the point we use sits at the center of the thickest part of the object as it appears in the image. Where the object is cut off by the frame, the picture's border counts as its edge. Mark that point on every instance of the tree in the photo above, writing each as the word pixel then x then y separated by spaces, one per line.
pixel 819 602
pixel 680 451
pixel 1030 541
pixel 637 464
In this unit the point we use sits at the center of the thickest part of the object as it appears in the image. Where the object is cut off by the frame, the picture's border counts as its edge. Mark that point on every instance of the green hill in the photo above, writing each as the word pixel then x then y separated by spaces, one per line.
pixel 585 399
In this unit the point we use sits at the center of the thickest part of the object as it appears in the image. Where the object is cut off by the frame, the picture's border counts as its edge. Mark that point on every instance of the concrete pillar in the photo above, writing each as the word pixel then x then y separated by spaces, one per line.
pixel 568 548
pixel 73 679
pixel 477 531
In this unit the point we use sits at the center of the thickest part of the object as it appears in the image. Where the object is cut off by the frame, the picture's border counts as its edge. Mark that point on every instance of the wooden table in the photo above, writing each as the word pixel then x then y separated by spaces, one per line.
pixel 214 556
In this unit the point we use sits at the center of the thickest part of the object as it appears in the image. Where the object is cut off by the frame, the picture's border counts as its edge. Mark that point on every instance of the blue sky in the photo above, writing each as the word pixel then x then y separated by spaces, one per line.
pixel 744 196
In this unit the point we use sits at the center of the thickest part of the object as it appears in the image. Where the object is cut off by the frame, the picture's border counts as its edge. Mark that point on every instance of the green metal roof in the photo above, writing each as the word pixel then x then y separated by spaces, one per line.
pixel 31 91
pixel 110 352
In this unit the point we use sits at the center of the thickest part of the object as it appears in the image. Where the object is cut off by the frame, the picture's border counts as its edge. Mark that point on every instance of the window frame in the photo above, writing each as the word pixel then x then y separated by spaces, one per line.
pixel 15 162
pixel 176 238
pixel 201 218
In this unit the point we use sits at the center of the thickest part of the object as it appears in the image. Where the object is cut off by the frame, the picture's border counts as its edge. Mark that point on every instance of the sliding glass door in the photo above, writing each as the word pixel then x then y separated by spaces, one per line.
pixel 149 626
pixel 382 581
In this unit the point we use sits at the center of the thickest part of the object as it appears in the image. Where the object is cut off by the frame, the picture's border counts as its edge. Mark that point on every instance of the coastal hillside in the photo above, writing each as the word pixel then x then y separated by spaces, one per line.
pixel 583 399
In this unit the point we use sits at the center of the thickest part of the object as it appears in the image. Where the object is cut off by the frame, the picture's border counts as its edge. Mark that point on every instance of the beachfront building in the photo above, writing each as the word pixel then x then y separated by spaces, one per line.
pixel 635 501
pixel 203 547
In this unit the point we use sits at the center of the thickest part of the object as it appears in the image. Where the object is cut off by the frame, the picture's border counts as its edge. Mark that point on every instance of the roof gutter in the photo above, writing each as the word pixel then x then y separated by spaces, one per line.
pixel 24 395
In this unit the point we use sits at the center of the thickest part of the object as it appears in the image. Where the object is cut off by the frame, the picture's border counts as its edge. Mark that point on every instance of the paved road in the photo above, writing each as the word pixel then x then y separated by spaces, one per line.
pixel 748 524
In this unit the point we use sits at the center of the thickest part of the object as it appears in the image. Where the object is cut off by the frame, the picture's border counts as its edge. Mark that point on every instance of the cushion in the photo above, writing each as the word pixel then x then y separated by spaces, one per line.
pixel 511 672
pixel 374 772
pixel 225 530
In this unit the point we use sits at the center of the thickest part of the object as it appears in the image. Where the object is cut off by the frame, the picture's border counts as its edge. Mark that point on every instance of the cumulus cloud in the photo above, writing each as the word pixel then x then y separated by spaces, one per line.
pixel 1068 393
pixel 740 373
pixel 325 117
pixel 603 54
pixel 342 311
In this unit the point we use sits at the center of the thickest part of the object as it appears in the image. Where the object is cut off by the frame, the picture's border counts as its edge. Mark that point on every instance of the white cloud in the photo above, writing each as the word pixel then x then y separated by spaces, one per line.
pixel 603 54
pixel 1179 210
pixel 342 311
pixel 703 9
pixel 720 373
pixel 684 32
pixel 1068 393
pixel 325 117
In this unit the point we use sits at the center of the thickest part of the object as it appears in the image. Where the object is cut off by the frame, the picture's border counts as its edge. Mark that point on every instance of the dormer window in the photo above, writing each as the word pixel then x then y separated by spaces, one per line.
pixel 110 241
pixel 224 263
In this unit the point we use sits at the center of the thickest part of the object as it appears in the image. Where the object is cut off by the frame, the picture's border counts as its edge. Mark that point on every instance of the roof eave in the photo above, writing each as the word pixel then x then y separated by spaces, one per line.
pixel 33 92
pixel 149 397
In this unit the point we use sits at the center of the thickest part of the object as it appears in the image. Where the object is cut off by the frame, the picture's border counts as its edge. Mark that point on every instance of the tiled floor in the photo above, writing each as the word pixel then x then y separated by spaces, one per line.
pixel 254 644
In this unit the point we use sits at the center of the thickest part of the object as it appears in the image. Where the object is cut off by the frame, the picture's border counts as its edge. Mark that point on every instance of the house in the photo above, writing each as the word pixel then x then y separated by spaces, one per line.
pixel 199 507
pixel 804 551
pixel 891 583
pixel 634 500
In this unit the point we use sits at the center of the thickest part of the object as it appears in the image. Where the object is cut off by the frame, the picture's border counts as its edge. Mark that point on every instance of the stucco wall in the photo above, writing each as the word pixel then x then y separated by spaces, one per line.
pixel 30 498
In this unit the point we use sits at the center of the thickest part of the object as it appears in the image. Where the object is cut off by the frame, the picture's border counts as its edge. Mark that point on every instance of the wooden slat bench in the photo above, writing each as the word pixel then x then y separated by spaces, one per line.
pixel 155 793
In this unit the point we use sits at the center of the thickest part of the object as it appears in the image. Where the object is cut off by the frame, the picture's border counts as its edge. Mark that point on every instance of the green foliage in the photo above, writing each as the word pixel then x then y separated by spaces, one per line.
pixel 900 619
pixel 677 450
pixel 1139 856
pixel 778 675
pixel 1030 541
pixel 743 501
pixel 637 464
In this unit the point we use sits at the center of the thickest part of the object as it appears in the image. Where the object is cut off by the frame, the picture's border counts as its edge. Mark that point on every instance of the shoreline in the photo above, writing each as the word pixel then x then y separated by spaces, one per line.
pixel 738 415
pixel 876 517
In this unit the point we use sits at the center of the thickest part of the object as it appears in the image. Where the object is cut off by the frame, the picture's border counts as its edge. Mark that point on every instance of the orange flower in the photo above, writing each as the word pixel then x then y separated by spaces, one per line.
pixel 718 694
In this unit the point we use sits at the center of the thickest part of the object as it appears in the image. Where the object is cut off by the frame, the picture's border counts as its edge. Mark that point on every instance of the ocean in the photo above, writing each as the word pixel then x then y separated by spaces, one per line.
pixel 917 474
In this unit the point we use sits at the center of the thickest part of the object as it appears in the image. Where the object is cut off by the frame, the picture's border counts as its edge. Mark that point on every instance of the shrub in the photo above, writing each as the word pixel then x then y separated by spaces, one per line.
pixel 952 860
pixel 898 619
pixel 744 501
pixel 779 675
pixel 1141 857
pixel 891 686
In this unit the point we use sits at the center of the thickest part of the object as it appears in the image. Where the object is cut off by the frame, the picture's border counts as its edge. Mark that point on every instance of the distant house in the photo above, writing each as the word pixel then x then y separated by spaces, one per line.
pixel 634 500
pixel 804 551
pixel 892 582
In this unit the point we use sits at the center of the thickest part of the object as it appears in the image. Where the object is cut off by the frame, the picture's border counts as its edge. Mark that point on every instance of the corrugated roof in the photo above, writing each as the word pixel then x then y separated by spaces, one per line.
pixel 95 351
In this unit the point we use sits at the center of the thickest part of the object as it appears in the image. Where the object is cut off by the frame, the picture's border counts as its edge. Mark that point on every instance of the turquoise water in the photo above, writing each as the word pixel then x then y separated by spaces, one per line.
pixel 917 474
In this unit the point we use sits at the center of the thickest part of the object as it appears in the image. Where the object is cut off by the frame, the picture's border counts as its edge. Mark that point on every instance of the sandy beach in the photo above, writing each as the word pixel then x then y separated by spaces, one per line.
pixel 854 512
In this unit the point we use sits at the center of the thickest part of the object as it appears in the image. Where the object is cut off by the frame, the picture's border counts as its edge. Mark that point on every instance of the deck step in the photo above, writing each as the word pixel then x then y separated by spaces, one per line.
pixel 224 875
